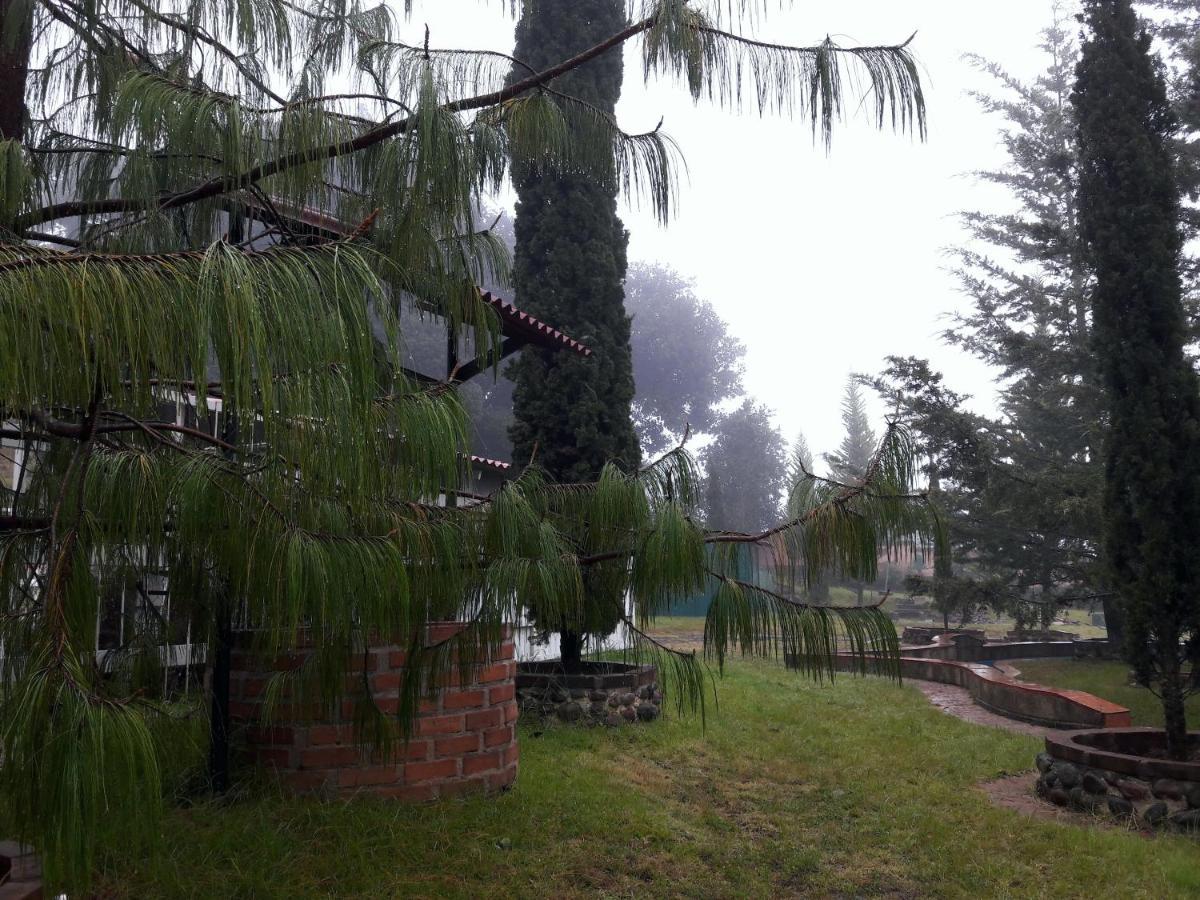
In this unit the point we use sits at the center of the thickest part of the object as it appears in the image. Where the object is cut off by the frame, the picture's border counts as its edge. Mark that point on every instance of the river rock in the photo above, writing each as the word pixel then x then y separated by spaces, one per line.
pixel 570 711
pixel 1132 790
pixel 1120 807
pixel 1068 774
pixel 1192 795
pixel 628 699
pixel 1058 796
pixel 1044 762
pixel 598 697
pixel 647 711
pixel 1187 820
pixel 1155 813
pixel 1094 784
pixel 1167 789
pixel 613 719
pixel 629 713
pixel 1083 801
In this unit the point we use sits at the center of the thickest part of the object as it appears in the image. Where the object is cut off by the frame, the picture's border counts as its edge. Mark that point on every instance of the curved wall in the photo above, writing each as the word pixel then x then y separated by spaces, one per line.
pixel 464 739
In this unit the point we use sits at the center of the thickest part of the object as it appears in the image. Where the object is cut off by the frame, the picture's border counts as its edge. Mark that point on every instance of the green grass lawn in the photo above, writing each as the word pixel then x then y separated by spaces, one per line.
pixel 794 789
pixel 1109 680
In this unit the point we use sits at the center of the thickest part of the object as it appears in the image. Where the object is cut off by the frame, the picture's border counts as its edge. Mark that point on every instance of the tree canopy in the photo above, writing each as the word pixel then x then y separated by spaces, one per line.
pixel 744 470
pixel 685 361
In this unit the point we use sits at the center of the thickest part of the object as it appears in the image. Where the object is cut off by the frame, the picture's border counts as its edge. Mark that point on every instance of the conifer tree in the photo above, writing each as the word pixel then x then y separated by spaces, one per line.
pixel 1129 216
pixel 849 462
pixel 1023 489
pixel 204 250
pixel 573 413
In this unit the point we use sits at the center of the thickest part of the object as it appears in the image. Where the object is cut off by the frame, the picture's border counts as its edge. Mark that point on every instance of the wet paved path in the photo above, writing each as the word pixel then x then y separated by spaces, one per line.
pixel 956 701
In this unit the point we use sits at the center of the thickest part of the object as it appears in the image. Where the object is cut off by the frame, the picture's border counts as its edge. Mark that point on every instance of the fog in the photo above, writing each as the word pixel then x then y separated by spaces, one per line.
pixel 822 264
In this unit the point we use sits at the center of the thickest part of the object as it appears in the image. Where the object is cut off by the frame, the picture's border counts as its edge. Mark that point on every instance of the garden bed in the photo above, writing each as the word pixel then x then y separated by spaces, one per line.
pixel 597 692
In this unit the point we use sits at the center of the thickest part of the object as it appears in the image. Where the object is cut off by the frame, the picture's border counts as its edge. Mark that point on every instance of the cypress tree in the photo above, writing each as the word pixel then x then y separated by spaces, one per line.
pixel 1129 217
pixel 571 416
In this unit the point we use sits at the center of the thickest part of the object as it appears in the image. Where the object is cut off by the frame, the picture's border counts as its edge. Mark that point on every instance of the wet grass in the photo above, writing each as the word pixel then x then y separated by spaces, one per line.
pixel 1109 680
pixel 794 789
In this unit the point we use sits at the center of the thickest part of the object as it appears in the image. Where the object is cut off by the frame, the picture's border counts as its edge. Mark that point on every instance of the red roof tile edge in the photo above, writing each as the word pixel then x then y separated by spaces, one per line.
pixel 519 323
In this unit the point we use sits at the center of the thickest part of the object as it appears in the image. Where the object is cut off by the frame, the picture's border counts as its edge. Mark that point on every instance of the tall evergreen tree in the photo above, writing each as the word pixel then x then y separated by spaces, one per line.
pixel 849 462
pixel 1023 489
pixel 573 414
pixel 1129 216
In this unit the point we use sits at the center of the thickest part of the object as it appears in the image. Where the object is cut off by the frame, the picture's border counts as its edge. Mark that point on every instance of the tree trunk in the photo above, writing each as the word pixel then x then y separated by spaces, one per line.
pixel 14 65
pixel 218 727
pixel 1174 714
pixel 858 589
pixel 1114 623
pixel 570 645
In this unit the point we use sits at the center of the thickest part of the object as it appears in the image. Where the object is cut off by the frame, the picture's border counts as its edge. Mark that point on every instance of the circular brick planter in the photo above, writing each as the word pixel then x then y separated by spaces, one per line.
pixel 600 693
pixel 1124 751
pixel 464 739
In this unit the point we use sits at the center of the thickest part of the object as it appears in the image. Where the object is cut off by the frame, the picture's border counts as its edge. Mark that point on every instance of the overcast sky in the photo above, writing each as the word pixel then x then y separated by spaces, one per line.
pixel 822 265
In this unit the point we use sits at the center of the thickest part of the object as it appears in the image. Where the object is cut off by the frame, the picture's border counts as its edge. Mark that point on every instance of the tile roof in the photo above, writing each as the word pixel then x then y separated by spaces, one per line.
pixel 519 324
pixel 484 462
pixel 513 322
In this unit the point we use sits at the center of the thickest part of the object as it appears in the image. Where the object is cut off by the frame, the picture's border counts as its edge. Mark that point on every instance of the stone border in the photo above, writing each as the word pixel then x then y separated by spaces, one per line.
pixel 20 872
pixel 604 693
pixel 1028 702
pixel 1086 748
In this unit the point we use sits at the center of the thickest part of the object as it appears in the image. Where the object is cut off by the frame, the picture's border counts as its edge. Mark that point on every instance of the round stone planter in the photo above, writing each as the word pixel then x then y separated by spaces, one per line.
pixel 1135 752
pixel 598 693
pixel 1118 772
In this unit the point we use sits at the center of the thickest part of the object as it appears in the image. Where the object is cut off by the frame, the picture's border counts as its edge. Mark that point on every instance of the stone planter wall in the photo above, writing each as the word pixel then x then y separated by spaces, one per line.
pixel 464 739
pixel 1131 752
pixel 20 872
pixel 603 694
pixel 1152 802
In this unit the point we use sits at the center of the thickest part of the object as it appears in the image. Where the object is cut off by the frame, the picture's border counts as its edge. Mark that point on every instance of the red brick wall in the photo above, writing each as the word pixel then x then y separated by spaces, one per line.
pixel 464 739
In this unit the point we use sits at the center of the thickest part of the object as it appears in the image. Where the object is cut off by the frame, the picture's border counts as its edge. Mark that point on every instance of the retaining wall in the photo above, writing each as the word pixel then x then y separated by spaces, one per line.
pixel 968 648
pixel 1137 752
pixel 996 691
pixel 464 739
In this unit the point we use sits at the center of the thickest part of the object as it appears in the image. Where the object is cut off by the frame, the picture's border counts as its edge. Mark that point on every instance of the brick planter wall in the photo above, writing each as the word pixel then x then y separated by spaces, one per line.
pixel 464 739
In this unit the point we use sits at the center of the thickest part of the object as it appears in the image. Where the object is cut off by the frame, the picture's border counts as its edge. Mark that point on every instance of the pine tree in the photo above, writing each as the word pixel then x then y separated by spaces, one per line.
pixel 849 462
pixel 1129 216
pixel 203 256
pixel 1023 488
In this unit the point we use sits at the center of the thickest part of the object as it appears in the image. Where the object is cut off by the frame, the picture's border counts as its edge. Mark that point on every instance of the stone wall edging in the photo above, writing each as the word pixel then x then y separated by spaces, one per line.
pixel 1073 748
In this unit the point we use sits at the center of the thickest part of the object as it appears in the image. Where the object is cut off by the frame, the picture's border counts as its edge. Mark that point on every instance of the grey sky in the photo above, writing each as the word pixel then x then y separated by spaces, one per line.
pixel 821 264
